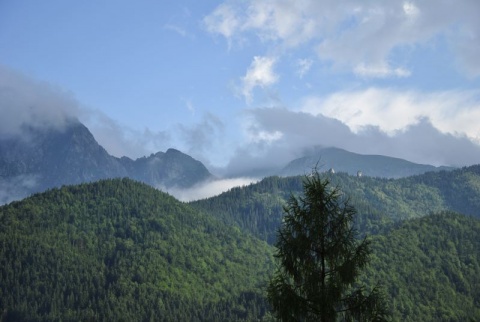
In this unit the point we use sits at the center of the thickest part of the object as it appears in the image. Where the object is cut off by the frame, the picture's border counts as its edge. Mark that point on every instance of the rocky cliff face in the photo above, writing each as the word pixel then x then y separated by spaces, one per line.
pixel 167 169
pixel 43 159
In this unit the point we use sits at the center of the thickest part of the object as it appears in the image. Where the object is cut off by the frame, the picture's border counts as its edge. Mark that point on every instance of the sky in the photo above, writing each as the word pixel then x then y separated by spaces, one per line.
pixel 248 84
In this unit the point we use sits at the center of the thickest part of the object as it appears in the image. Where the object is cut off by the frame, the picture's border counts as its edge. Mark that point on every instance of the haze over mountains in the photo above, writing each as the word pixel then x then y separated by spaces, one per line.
pixel 44 158
pixel 47 158
pixel 121 250
pixel 336 159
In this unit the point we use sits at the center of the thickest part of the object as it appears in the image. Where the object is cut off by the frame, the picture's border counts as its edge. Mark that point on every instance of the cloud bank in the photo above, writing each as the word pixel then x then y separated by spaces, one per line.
pixel 455 112
pixel 28 103
pixel 209 189
pixel 360 36
pixel 290 134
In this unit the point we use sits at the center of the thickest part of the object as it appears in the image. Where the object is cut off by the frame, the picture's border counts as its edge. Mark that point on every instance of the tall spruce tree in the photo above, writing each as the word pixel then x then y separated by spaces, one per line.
pixel 320 260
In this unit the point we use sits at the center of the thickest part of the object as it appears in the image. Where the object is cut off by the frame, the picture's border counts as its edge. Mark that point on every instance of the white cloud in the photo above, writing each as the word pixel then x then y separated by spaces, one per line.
pixel 223 20
pixel 200 139
pixel 25 102
pixel 120 140
pixel 266 137
pixel 303 66
pixel 410 9
pixel 419 141
pixel 16 188
pixel 259 74
pixel 351 33
pixel 209 189
pixel 283 21
pixel 453 112
pixel 179 30
pixel 380 71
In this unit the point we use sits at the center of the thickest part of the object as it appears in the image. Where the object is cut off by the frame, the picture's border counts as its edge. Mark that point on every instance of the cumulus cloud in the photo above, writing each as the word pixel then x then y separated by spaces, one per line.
pixel 25 102
pixel 259 74
pixel 358 35
pixel 223 21
pixel 454 112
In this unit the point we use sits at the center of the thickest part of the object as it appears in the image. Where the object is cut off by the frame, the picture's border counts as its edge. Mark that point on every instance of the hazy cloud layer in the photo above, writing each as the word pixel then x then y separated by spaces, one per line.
pixel 121 140
pixel 209 189
pixel 293 133
pixel 202 140
pixel 357 35
pixel 25 102
pixel 15 188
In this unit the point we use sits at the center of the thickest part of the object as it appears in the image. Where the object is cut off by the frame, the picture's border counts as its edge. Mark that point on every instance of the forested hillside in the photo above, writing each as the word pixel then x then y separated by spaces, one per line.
pixel 257 208
pixel 429 263
pixel 430 268
pixel 120 250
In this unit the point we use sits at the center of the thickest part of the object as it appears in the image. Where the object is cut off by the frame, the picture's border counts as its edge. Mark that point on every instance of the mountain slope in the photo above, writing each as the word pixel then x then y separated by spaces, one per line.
pixel 43 159
pixel 257 208
pixel 167 169
pixel 428 263
pixel 430 268
pixel 121 250
pixel 344 161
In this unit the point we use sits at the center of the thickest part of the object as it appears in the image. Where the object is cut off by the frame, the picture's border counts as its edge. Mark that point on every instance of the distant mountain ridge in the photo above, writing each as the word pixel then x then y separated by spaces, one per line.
pixel 47 158
pixel 353 163
pixel 50 158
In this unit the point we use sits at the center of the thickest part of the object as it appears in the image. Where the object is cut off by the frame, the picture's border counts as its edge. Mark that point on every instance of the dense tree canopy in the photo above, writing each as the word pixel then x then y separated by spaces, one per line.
pixel 120 250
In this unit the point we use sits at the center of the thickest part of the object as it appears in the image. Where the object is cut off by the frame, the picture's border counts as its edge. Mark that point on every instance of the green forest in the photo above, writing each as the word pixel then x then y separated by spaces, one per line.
pixel 119 250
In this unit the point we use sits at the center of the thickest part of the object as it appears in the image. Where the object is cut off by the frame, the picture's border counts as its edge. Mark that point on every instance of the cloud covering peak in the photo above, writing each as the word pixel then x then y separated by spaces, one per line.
pixel 28 103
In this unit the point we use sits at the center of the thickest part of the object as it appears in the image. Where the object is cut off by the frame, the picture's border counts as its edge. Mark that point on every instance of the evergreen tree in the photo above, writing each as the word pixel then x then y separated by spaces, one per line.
pixel 320 260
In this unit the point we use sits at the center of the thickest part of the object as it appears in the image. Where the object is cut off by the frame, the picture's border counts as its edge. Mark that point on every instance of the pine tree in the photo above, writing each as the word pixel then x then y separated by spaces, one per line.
pixel 320 260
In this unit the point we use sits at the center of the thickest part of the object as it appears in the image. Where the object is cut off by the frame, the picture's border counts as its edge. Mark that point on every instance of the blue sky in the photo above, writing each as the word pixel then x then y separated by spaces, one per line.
pixel 242 84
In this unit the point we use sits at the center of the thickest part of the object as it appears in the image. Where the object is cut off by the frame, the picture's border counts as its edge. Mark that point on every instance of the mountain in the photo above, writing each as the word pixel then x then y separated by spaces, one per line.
pixel 257 208
pixel 42 159
pixel 430 268
pixel 425 253
pixel 120 250
pixel 352 163
pixel 167 169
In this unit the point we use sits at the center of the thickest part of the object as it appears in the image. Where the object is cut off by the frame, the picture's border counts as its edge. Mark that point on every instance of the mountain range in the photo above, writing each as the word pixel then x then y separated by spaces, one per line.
pixel 41 159
pixel 118 249
pixel 96 248
pixel 335 159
